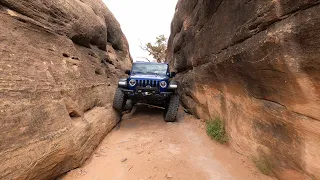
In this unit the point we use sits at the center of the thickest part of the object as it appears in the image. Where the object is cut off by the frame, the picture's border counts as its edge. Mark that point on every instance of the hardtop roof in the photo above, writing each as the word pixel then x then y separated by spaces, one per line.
pixel 143 62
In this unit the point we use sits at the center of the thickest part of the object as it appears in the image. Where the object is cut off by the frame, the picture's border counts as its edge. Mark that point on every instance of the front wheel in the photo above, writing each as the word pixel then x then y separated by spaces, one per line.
pixel 172 109
pixel 128 105
pixel 119 100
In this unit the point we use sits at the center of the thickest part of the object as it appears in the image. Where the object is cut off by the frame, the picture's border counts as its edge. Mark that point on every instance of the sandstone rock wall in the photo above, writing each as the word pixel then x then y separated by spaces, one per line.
pixel 256 64
pixel 59 64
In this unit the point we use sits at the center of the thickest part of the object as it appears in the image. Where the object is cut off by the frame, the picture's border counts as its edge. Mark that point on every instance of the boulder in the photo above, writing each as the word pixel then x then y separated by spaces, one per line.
pixel 59 64
pixel 255 64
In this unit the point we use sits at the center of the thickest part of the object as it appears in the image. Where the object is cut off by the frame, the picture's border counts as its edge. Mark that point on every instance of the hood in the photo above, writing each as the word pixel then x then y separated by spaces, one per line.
pixel 148 76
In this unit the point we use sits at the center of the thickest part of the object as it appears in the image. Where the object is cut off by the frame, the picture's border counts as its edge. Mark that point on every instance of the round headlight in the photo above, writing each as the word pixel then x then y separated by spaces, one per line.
pixel 163 84
pixel 132 82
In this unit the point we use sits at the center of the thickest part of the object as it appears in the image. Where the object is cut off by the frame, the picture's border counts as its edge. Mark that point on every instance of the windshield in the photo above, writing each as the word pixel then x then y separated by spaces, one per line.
pixel 156 69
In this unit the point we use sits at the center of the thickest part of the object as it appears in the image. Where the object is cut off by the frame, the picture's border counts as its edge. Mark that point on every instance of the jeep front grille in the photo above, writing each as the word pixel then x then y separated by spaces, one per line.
pixel 145 83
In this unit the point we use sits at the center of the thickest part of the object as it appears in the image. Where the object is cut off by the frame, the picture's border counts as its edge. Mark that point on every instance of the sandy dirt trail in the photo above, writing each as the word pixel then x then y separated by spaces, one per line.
pixel 143 147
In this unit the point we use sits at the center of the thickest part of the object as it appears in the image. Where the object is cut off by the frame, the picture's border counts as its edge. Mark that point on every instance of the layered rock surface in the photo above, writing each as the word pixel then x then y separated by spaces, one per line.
pixel 255 64
pixel 59 63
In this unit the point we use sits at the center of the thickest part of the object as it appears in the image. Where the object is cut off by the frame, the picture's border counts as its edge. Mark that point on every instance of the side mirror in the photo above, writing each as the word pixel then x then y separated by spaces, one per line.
pixel 173 74
pixel 128 72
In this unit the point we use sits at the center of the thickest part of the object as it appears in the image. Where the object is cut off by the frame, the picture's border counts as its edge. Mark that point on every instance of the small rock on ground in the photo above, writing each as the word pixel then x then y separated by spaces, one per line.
pixel 168 175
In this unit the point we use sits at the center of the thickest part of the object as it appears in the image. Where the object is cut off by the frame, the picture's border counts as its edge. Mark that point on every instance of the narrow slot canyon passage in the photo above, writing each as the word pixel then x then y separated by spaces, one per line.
pixel 67 73
pixel 143 146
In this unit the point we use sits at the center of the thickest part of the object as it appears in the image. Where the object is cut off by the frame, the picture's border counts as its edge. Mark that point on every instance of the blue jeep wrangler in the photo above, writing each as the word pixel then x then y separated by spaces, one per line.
pixel 149 83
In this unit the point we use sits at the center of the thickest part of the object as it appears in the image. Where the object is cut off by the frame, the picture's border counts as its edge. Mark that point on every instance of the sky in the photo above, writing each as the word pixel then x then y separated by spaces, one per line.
pixel 142 21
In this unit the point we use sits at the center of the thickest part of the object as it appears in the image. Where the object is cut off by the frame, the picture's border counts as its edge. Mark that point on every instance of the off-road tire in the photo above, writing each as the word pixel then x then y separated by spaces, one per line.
pixel 172 109
pixel 119 100
pixel 128 105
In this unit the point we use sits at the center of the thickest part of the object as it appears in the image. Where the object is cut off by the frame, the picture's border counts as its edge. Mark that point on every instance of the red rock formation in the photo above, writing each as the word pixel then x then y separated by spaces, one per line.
pixel 256 64
pixel 59 62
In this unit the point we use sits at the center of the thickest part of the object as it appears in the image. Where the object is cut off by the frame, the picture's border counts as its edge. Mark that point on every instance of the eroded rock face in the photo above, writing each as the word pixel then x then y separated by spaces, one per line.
pixel 256 64
pixel 59 64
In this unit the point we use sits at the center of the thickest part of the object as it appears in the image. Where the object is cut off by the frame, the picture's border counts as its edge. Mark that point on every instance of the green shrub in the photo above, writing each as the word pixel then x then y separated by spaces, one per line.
pixel 216 130
pixel 263 165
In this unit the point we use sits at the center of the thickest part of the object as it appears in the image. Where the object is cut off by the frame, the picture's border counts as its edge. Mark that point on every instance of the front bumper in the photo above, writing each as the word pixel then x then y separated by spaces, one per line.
pixel 147 95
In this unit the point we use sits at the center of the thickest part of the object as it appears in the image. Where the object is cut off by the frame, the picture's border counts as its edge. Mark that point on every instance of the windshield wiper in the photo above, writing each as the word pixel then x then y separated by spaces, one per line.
pixel 138 72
